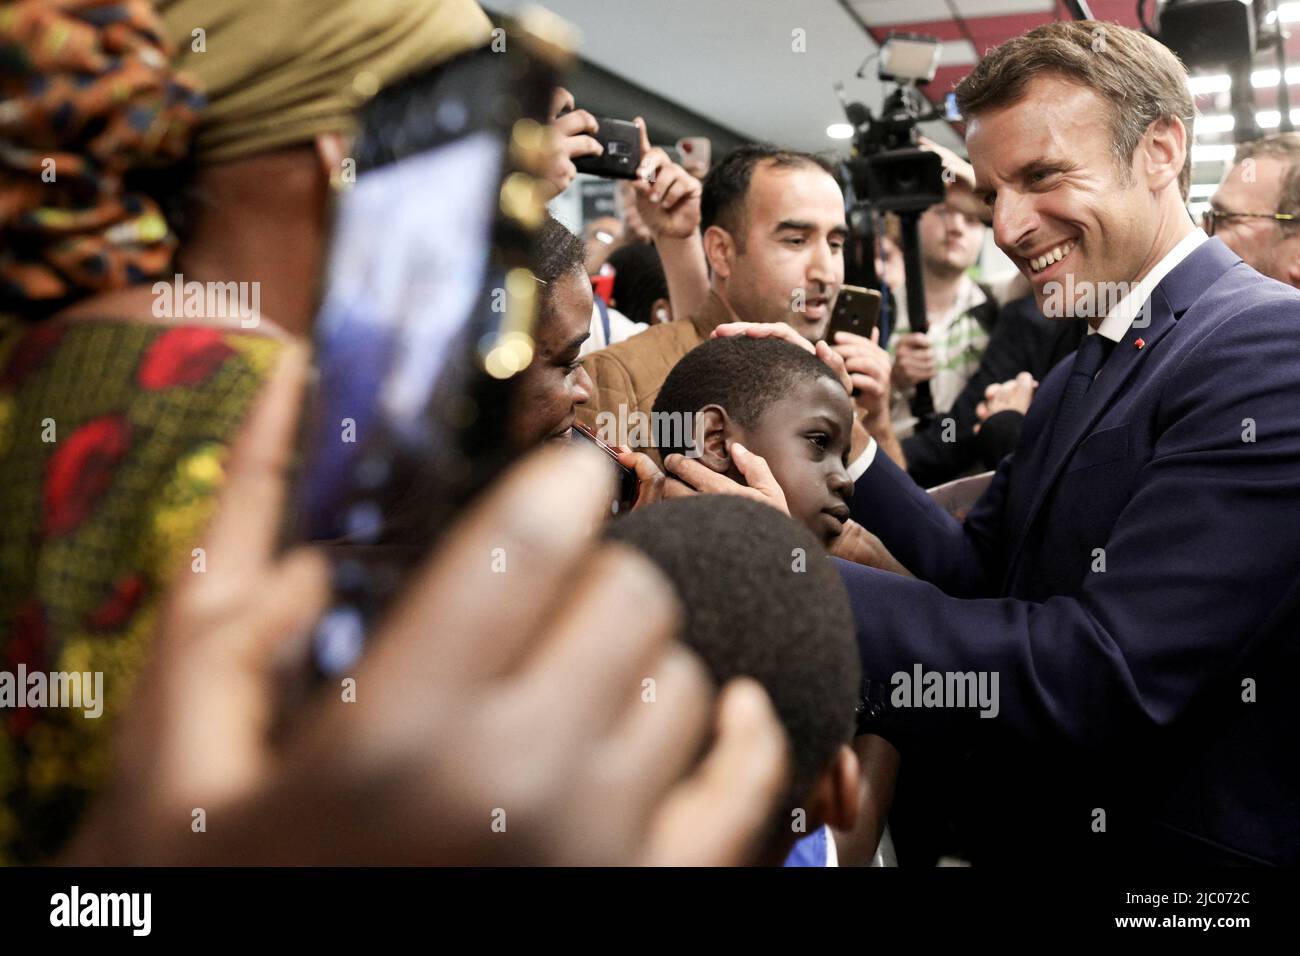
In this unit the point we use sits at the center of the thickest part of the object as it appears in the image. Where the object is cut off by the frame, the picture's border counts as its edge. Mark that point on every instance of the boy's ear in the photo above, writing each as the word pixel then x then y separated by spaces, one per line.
pixel 712 429
pixel 837 794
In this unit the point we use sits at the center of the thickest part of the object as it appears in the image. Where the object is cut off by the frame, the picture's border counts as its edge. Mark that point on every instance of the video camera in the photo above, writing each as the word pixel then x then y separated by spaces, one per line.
pixel 890 172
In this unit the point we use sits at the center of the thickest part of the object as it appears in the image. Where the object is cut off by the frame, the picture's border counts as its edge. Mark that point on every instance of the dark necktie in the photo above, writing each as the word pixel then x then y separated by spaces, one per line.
pixel 1087 362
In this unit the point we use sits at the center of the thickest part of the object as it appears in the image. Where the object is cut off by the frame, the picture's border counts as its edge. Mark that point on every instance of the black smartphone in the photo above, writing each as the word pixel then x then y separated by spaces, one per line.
pixel 857 310
pixel 628 483
pixel 622 155
pixel 425 315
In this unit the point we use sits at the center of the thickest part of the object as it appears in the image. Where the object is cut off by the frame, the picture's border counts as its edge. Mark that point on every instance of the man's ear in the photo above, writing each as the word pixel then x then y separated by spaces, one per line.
pixel 1163 151
pixel 710 429
pixel 331 150
pixel 719 250
pixel 837 795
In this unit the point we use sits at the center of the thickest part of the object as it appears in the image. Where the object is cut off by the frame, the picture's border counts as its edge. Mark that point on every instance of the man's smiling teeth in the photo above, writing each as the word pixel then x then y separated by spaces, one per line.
pixel 1040 263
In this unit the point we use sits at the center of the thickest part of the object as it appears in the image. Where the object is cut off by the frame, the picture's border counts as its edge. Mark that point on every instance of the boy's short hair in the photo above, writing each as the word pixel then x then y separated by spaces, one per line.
pixel 741 374
pixel 757 607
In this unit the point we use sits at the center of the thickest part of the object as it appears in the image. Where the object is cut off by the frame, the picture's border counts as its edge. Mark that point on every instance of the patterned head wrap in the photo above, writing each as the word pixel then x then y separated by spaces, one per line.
pixel 86 95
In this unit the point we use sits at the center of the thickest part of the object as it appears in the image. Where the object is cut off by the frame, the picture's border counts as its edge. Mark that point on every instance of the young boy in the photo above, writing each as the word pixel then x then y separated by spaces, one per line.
pixel 754 608
pixel 777 400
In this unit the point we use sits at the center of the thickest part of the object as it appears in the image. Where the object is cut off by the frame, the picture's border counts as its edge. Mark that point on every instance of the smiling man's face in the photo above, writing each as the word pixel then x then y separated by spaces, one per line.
pixel 1060 202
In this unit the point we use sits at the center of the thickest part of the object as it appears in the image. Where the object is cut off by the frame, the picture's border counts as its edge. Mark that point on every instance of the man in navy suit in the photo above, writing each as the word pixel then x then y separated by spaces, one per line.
pixel 1132 574
pixel 1107 649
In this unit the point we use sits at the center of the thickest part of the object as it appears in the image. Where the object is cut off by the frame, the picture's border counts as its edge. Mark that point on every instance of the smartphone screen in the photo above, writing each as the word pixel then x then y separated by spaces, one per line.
pixel 408 424
pixel 406 272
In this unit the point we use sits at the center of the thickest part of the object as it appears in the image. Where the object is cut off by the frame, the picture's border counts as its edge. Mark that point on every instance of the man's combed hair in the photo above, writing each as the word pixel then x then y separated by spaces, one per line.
pixel 556 252
pixel 740 374
pixel 726 188
pixel 754 609
pixel 1142 80
pixel 1284 147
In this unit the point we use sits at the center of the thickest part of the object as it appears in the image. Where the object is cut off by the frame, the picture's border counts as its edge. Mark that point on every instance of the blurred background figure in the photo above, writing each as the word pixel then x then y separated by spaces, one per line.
pixel 640 286
pixel 961 316
pixel 1252 208
pixel 602 236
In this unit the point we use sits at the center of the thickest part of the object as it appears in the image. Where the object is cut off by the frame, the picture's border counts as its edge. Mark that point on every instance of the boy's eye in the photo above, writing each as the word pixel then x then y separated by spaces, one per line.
pixel 820 439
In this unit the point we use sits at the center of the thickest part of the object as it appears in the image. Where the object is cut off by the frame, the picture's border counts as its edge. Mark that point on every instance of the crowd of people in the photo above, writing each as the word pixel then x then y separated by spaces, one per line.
pixel 788 651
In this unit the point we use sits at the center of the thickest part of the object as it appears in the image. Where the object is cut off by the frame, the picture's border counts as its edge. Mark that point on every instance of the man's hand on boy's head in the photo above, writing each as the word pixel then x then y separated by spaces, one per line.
pixel 779 330
pixel 667 196
pixel 764 330
pixel 760 485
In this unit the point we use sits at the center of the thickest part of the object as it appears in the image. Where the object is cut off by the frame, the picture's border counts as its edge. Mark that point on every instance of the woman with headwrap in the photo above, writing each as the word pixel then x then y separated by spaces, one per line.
pixel 118 187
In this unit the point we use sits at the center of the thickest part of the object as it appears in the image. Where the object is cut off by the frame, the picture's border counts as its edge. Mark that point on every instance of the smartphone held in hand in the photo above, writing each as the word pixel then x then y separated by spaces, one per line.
pixel 622 150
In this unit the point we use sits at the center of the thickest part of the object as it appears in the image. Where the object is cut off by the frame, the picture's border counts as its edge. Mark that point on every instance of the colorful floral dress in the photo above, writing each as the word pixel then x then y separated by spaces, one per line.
pixel 112 443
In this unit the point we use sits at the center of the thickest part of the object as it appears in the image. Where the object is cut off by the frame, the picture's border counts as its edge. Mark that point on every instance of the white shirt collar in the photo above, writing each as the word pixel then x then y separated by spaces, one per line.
pixel 1120 318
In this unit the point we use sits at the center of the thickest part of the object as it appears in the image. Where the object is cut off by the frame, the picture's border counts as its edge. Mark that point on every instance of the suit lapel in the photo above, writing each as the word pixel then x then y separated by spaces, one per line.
pixel 1170 299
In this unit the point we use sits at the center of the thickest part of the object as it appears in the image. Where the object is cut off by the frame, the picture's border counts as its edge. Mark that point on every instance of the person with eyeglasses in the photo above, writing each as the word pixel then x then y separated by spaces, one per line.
pixel 1256 209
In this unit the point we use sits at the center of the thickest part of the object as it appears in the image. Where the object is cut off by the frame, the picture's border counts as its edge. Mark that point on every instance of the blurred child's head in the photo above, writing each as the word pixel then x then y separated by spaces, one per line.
pixel 762 601
pixel 777 400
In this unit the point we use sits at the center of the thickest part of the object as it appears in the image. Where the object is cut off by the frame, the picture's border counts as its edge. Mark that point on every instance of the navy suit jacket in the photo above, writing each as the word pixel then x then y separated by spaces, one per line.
pixel 1137 594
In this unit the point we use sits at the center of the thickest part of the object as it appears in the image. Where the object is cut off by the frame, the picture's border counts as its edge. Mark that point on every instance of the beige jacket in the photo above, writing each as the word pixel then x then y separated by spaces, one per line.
pixel 626 377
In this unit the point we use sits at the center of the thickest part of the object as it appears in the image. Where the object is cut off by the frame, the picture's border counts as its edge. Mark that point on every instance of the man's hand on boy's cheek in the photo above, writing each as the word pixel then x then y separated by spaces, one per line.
pixel 760 485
